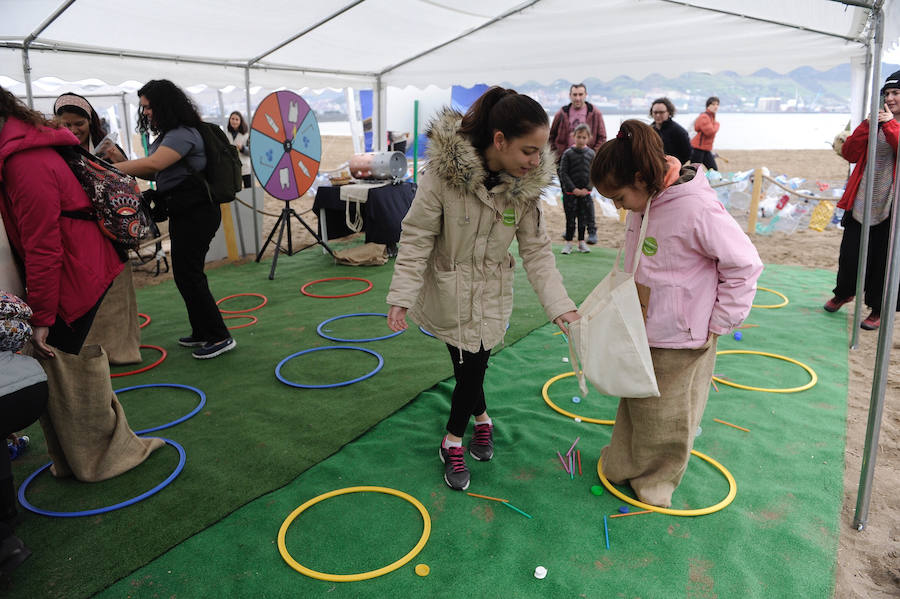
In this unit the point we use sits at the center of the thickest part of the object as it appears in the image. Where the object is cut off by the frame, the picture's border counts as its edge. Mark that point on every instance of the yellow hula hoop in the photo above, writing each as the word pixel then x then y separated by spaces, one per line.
pixel 564 412
pixel 282 548
pixel 814 378
pixel 732 492
pixel 779 294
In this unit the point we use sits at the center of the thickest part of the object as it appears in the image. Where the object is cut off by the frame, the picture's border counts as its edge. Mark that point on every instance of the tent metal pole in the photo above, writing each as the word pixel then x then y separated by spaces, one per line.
pixel 379 112
pixel 126 125
pixel 252 187
pixel 26 61
pixel 771 21
pixel 882 364
pixel 297 36
pixel 874 105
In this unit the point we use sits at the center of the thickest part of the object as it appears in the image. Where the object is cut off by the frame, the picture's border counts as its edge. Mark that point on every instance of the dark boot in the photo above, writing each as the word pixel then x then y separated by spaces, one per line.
pixel 12 553
pixel 8 510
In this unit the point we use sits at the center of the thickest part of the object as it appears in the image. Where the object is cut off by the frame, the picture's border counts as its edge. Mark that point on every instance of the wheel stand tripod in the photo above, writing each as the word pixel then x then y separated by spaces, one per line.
pixel 285 221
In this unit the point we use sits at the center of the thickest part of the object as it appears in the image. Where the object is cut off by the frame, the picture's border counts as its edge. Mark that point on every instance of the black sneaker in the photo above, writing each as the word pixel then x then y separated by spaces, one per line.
pixel 482 444
pixel 456 475
pixel 211 350
pixel 191 342
pixel 592 238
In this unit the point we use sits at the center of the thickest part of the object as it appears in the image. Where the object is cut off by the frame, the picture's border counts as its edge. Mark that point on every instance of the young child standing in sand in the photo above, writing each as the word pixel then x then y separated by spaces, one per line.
pixel 575 180
pixel 701 270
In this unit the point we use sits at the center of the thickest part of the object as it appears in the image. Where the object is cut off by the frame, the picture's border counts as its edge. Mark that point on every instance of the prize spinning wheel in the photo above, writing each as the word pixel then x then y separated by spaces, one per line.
pixel 285 149
pixel 285 145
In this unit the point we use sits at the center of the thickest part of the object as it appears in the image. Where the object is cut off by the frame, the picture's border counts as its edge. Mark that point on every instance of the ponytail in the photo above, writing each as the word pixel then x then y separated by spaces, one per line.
pixel 503 110
pixel 636 149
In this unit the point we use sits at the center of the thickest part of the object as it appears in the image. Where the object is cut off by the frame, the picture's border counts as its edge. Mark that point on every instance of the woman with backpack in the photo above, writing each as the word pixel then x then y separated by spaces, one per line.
pixel 68 265
pixel 176 161
pixel 116 326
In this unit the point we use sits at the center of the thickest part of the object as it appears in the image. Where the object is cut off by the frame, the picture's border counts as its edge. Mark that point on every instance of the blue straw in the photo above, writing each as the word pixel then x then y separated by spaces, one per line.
pixel 512 507
pixel 606 531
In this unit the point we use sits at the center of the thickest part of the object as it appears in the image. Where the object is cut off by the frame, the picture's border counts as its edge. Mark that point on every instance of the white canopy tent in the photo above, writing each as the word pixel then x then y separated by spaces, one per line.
pixel 379 43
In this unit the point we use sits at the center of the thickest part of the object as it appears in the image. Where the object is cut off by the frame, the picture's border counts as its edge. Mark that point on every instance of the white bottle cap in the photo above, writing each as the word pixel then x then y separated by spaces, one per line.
pixel 540 572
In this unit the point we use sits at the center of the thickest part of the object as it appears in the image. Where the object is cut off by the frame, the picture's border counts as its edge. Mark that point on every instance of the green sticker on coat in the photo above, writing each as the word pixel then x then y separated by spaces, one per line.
pixel 509 217
pixel 650 246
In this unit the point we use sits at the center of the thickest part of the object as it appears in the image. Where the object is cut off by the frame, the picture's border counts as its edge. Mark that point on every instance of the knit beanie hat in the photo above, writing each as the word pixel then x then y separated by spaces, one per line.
pixel 892 82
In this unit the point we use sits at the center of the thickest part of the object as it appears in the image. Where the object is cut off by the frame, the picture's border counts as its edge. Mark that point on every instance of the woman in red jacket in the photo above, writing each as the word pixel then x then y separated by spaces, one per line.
pixel 853 203
pixel 706 127
pixel 68 265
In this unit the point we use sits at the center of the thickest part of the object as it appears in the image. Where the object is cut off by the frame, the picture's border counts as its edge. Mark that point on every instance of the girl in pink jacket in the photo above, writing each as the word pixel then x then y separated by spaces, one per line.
pixel 701 271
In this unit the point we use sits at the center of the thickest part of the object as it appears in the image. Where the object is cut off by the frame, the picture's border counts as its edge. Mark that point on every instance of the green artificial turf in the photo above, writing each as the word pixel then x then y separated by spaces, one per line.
pixel 778 539
pixel 254 434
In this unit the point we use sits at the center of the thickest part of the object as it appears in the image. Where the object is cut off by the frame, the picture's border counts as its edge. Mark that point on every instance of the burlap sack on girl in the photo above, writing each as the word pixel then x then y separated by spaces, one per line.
pixel 85 426
pixel 116 327
pixel 368 254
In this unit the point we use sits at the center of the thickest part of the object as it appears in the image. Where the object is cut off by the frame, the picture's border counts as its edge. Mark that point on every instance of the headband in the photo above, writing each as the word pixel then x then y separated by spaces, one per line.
pixel 72 100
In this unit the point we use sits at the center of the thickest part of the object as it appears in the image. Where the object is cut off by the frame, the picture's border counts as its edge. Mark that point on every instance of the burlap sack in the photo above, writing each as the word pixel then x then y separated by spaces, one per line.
pixel 368 254
pixel 652 439
pixel 116 326
pixel 85 427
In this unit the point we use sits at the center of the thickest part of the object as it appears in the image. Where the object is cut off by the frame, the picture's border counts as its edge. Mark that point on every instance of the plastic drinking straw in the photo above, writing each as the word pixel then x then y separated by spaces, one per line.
pixel 606 531
pixel 571 467
pixel 486 497
pixel 631 513
pixel 512 507
pixel 715 386
pixel 578 453
pixel 747 326
pixel 573 446
pixel 746 430
pixel 565 466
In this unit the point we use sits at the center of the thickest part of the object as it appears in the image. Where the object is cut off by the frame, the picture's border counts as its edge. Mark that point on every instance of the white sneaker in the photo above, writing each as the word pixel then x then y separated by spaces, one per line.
pixel 567 249
pixel 583 248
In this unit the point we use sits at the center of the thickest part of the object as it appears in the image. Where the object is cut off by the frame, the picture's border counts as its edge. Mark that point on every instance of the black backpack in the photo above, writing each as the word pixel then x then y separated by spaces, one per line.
pixel 116 203
pixel 223 164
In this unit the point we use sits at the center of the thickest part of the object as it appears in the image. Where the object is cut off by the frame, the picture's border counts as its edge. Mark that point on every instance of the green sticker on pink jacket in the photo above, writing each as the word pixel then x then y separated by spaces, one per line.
pixel 509 217
pixel 650 246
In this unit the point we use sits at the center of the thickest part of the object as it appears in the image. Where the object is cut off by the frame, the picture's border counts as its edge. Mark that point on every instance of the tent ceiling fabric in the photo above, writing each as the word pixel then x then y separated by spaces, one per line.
pixel 541 40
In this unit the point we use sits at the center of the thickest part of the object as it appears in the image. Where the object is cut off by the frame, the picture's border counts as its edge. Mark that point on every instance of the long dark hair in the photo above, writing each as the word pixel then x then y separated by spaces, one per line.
pixel 171 107
pixel 503 110
pixel 96 125
pixel 11 106
pixel 636 149
pixel 242 128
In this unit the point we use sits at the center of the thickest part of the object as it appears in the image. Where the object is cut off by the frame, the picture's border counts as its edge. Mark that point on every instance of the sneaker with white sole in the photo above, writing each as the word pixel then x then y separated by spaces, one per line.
pixel 567 249
pixel 584 249
pixel 211 350
pixel 482 444
pixel 456 474
pixel 191 342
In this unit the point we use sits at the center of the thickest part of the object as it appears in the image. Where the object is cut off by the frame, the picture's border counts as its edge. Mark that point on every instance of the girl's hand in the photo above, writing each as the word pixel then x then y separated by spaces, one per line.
pixel 563 320
pixel 396 318
pixel 885 115
pixel 39 342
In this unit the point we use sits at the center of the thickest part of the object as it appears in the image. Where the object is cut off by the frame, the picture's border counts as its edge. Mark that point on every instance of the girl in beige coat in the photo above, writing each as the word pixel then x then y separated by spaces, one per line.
pixel 454 273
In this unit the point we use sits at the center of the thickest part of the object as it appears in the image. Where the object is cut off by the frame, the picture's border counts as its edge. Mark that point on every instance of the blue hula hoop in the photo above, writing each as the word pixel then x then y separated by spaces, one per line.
pixel 174 422
pixel 102 510
pixel 324 322
pixel 426 332
pixel 342 384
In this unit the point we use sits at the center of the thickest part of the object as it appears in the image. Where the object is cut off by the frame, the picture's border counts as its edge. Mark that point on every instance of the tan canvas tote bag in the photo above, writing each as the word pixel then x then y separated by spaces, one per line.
pixel 610 339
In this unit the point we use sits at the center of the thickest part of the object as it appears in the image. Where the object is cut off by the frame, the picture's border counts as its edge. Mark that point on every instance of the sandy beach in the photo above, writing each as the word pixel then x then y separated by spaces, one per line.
pixel 868 564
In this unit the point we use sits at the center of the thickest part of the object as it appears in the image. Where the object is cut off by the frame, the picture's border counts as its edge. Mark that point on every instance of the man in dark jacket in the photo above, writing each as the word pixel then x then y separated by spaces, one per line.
pixel 562 134
pixel 676 141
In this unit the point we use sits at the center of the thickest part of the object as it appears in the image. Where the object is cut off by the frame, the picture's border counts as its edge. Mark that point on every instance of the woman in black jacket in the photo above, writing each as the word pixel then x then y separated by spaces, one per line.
pixel 676 141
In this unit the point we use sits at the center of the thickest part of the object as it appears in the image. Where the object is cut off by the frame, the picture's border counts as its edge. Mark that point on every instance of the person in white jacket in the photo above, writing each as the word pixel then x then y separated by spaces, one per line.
pixel 239 134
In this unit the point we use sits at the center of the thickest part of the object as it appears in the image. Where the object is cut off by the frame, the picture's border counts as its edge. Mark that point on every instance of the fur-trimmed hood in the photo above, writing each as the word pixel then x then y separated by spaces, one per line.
pixel 453 159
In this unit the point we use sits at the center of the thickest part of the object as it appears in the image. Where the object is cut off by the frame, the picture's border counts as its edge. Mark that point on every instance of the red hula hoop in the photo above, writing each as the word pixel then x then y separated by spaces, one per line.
pixel 241 326
pixel 303 289
pixel 163 354
pixel 146 322
pixel 265 301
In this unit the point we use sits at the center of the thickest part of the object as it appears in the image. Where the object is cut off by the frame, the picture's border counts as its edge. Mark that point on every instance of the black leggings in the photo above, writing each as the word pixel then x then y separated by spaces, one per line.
pixel 468 395
pixel 18 410
pixel 704 157
pixel 876 262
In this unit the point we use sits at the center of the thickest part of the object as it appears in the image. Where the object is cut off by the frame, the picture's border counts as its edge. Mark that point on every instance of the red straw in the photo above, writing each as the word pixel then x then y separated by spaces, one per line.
pixel 578 452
